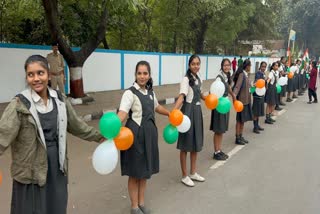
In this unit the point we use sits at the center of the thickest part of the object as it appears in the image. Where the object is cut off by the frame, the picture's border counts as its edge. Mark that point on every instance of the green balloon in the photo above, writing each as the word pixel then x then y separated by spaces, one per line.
pixel 110 125
pixel 224 105
pixel 170 134
pixel 308 76
pixel 279 89
pixel 288 69
pixel 252 89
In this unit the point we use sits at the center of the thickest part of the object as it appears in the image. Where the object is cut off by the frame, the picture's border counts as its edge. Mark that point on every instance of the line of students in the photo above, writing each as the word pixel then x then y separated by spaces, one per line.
pixel 189 100
pixel 36 121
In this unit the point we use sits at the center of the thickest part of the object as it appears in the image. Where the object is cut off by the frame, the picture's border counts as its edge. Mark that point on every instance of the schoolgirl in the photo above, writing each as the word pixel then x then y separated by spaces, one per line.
pixel 220 122
pixel 271 94
pixel 141 161
pixel 241 91
pixel 258 101
pixel 35 125
pixel 192 141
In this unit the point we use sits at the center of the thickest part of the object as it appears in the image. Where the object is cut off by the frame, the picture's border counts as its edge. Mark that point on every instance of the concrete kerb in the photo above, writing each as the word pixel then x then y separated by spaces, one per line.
pixel 98 114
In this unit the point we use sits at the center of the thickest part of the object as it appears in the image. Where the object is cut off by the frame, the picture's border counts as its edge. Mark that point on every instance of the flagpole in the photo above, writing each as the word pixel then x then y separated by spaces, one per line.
pixel 292 47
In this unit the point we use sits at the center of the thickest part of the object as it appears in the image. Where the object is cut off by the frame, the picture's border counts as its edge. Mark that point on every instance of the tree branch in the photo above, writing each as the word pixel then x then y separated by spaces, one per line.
pixel 51 11
pixel 97 38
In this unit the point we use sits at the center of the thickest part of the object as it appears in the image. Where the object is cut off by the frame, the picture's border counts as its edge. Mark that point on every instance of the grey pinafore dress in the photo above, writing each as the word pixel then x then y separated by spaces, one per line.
pixel 271 94
pixel 142 159
pixel 53 197
pixel 290 87
pixel 258 101
pixel 220 122
pixel 192 140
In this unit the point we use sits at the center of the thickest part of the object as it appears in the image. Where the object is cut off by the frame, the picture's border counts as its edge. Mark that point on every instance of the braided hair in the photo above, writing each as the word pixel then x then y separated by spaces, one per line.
pixel 240 70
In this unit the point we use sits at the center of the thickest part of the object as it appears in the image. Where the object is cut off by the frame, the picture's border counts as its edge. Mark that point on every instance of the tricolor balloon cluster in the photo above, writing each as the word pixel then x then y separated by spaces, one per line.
pixel 260 88
pixel 178 123
pixel 291 72
pixel 105 156
pixel 216 100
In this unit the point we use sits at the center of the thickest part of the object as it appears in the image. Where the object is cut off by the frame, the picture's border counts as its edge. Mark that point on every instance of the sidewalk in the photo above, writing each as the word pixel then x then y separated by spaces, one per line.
pixel 110 100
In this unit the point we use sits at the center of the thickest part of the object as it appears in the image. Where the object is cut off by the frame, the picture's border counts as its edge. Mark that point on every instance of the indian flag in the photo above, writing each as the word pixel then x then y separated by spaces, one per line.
pixel 306 55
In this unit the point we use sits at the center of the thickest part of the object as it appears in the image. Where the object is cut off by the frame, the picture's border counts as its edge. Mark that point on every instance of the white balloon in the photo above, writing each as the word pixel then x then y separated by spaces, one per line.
pixel 261 91
pixel 105 157
pixel 293 68
pixel 217 88
pixel 283 81
pixel 185 125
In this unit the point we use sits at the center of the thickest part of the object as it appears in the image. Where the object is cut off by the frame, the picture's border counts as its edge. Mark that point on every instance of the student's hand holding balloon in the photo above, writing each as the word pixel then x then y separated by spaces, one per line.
pixel 102 140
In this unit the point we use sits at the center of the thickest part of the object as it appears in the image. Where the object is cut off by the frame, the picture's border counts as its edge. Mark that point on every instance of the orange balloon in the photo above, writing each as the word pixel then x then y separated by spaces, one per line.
pixel 238 106
pixel 176 117
pixel 124 140
pixel 260 83
pixel 211 101
pixel 290 75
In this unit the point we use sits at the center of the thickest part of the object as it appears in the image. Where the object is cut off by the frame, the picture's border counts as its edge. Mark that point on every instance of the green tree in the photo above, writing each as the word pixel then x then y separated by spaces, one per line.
pixel 75 59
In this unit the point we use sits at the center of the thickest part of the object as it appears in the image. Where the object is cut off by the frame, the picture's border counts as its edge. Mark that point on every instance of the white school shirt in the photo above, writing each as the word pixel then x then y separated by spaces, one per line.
pixel 187 91
pixel 271 77
pixel 39 102
pixel 130 101
pixel 224 76
pixel 245 73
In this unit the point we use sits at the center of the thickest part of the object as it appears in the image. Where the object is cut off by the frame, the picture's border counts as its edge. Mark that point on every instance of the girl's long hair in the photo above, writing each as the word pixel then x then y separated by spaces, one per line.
pixel 189 73
pixel 240 70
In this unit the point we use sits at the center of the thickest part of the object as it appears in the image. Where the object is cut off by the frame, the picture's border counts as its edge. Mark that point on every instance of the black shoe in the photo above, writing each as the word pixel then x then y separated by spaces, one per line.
pixel 272 120
pixel 244 140
pixel 310 102
pixel 225 155
pixel 289 100
pixel 294 96
pixel 219 156
pixel 282 104
pixel 260 128
pixel 256 130
pixel 300 94
pixel 316 101
pixel 268 121
pixel 239 141
pixel 278 108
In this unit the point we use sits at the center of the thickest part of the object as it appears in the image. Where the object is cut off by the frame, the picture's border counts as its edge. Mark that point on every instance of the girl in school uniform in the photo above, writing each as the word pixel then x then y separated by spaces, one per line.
pixel 35 125
pixel 290 89
pixel 241 91
pixel 271 94
pixel 258 101
pixel 141 161
pixel 220 122
pixel 191 141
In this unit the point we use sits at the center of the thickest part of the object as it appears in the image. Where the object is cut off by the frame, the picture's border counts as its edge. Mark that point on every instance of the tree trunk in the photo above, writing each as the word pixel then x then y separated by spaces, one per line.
pixel 174 45
pixel 105 43
pixel 76 59
pixel 76 82
pixel 200 35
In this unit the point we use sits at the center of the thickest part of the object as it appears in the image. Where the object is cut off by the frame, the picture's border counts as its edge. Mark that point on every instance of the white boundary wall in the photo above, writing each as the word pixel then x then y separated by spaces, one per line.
pixel 108 69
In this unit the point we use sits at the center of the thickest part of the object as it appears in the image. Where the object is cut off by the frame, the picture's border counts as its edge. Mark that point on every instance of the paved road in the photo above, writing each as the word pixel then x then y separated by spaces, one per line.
pixel 276 173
